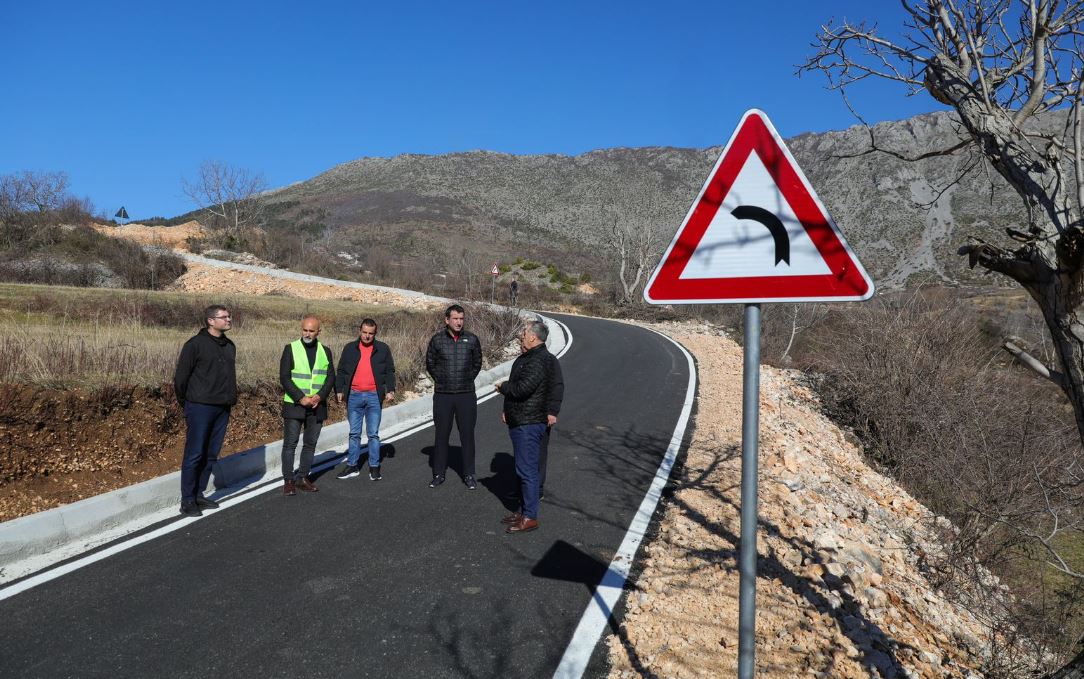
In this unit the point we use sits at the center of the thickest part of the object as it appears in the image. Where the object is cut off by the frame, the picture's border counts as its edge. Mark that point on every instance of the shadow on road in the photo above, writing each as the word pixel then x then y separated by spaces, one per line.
pixel 503 482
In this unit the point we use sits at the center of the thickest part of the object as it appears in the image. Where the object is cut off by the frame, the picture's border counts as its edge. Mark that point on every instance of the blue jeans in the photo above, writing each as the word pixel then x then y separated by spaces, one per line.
pixel 205 431
pixel 526 442
pixel 363 406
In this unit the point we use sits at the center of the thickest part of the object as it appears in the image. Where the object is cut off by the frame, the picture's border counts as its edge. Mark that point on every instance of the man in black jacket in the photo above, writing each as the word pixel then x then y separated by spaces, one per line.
pixel 306 374
pixel 366 375
pixel 205 384
pixel 526 412
pixel 453 360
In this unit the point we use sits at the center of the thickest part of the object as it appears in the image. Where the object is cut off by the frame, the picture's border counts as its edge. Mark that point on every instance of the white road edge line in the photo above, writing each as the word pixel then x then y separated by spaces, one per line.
pixel 597 616
pixel 54 573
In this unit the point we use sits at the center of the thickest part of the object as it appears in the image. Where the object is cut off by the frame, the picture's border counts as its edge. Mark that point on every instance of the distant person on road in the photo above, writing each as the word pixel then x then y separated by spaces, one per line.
pixel 513 291
pixel 526 412
pixel 305 371
pixel 453 359
pixel 366 376
pixel 205 384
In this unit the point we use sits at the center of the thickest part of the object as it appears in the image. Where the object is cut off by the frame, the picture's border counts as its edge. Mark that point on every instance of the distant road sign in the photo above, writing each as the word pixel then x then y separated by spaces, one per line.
pixel 495 271
pixel 757 233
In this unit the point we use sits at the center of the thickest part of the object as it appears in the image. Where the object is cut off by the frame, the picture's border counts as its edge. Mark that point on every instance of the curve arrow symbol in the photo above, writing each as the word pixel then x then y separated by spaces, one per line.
pixel 778 231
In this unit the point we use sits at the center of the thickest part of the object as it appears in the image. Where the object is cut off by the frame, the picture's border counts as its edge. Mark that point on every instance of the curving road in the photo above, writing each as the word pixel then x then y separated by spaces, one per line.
pixel 381 579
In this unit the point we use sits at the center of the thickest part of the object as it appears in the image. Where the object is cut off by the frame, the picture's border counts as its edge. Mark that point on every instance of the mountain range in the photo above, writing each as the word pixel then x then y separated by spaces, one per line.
pixel 905 219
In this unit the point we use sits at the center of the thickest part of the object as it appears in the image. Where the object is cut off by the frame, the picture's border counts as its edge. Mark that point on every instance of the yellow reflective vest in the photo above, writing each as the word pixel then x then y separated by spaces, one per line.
pixel 308 379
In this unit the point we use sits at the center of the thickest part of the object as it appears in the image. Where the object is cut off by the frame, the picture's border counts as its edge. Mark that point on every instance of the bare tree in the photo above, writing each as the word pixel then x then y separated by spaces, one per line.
pixel 802 317
pixel 636 240
pixel 469 265
pixel 999 64
pixel 229 193
pixel 28 191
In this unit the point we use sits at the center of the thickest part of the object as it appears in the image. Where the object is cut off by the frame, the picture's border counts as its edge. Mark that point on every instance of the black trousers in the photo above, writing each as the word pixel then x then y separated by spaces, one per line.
pixel 291 430
pixel 464 408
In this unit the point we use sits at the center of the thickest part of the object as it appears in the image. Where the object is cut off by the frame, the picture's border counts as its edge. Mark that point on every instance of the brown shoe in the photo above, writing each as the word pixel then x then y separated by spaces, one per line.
pixel 288 488
pixel 523 525
pixel 306 485
pixel 512 518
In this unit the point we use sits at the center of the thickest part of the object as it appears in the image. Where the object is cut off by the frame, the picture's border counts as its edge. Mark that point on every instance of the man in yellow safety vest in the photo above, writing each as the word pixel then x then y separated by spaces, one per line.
pixel 305 376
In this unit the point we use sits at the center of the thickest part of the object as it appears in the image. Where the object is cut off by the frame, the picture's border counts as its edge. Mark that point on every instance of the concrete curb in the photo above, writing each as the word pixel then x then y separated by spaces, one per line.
pixel 30 543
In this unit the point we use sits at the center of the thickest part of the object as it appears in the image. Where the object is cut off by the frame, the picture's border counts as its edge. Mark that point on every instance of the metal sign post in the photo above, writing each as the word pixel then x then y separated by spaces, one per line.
pixel 750 437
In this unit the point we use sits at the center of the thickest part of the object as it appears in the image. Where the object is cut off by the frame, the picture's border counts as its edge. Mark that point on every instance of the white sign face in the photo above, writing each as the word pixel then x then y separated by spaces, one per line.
pixel 736 248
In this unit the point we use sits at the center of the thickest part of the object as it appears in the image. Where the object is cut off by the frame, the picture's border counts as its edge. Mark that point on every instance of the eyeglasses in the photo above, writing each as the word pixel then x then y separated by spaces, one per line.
pixel 220 318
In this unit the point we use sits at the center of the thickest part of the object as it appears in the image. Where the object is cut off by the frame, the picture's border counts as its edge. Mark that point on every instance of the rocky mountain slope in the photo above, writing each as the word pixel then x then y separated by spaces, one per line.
pixel 905 219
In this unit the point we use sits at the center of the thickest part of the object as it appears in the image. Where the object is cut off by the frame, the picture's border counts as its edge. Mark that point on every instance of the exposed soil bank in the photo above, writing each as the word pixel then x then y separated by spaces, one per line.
pixel 57 447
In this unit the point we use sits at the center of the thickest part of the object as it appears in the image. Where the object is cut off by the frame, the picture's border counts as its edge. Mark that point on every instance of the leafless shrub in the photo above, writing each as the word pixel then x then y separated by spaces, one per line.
pixel 978 441
pixel 229 194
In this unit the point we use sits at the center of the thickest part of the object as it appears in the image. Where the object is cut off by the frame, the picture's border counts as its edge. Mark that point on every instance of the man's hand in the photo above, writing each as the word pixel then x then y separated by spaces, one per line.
pixel 306 401
pixel 339 398
pixel 389 397
pixel 314 401
pixel 551 420
pixel 497 387
pixel 504 420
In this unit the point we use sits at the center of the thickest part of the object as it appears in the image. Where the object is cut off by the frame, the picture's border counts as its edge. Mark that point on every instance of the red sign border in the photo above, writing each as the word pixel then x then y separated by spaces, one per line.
pixel 847 280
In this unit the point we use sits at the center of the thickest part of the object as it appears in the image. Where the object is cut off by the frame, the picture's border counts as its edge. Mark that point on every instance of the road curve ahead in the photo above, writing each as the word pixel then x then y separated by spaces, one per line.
pixel 387 578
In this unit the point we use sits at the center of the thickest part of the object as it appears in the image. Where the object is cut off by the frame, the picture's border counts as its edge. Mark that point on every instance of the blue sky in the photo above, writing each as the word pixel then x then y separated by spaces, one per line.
pixel 129 97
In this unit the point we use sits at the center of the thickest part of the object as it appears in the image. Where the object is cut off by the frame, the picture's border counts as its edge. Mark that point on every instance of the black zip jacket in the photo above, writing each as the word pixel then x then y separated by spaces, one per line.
pixel 296 411
pixel 527 390
pixel 557 385
pixel 381 362
pixel 452 364
pixel 207 371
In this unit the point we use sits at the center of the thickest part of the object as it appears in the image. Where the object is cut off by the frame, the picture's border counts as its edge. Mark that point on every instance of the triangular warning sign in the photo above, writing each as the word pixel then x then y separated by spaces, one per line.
pixel 757 233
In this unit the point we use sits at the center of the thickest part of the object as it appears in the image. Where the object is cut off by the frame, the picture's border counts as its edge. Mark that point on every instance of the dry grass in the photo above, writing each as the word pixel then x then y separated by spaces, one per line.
pixel 61 337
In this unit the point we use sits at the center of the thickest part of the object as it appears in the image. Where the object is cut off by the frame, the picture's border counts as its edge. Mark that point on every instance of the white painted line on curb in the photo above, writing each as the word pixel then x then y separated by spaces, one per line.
pixel 56 572
pixel 597 616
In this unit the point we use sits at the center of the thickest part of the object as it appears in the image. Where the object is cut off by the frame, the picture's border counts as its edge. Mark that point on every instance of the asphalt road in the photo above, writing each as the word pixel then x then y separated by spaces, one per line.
pixel 380 579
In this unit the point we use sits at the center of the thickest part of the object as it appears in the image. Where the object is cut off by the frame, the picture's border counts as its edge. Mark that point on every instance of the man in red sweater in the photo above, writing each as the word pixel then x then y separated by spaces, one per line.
pixel 366 375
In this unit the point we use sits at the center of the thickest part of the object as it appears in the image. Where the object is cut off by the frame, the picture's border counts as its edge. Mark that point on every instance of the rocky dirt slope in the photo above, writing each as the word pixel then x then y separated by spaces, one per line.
pixel 206 278
pixel 173 237
pixel 841 590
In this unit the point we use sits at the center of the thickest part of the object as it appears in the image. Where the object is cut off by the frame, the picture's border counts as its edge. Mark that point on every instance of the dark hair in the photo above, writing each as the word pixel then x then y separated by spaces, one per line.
pixel 212 311
pixel 454 307
pixel 369 322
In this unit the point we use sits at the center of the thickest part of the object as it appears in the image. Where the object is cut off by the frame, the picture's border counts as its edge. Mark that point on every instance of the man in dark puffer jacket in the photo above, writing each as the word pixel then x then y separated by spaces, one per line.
pixel 454 359
pixel 526 411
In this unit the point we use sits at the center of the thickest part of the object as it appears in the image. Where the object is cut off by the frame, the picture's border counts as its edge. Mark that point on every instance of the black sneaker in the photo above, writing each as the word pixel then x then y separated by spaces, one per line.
pixel 190 509
pixel 349 472
pixel 437 480
pixel 205 503
pixel 469 480
pixel 374 473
